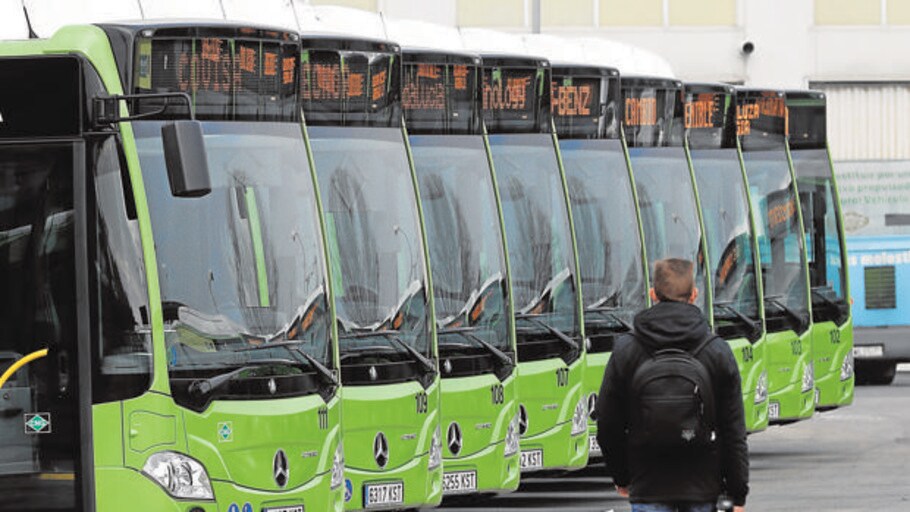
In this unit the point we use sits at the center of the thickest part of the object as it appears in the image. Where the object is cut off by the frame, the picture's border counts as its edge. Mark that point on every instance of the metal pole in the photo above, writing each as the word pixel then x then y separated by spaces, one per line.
pixel 535 16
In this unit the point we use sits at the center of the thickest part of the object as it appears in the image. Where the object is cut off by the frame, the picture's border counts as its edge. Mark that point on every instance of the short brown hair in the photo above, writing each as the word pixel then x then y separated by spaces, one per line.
pixel 673 279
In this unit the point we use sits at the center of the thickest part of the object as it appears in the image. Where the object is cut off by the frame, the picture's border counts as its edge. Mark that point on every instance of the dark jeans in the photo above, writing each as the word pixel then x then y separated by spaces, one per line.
pixel 673 507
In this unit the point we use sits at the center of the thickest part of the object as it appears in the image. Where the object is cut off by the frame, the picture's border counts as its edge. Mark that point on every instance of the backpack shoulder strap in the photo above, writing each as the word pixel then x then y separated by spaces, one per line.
pixel 704 343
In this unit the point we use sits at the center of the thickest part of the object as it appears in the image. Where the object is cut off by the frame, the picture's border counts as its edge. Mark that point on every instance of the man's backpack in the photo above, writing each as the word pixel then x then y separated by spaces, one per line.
pixel 672 400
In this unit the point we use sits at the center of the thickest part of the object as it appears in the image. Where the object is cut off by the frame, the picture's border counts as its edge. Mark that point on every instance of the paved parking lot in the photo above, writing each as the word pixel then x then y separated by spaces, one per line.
pixel 852 459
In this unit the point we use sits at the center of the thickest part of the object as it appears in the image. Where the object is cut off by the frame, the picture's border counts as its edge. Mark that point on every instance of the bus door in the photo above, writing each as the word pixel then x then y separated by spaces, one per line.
pixel 43 405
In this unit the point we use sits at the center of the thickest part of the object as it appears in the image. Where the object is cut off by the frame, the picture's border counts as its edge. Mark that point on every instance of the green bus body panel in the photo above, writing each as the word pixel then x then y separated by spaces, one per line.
pixel 126 433
pixel 468 401
pixel 391 409
pixel 550 409
pixel 846 334
pixel 787 356
pixel 831 344
pixel 594 376
pixel 750 358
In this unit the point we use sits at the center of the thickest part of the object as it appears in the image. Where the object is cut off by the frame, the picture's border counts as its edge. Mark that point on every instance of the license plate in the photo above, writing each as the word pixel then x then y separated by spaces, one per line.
pixel 459 481
pixel 532 459
pixel 377 495
pixel 293 508
pixel 868 351
pixel 594 446
pixel 773 410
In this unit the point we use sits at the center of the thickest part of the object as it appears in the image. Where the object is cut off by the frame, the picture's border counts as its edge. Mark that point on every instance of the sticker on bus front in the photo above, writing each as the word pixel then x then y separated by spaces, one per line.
pixel 38 423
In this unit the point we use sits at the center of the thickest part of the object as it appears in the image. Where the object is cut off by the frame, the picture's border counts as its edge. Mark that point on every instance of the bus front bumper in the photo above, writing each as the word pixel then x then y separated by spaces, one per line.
pixel 422 486
pixel 882 344
pixel 494 472
pixel 559 449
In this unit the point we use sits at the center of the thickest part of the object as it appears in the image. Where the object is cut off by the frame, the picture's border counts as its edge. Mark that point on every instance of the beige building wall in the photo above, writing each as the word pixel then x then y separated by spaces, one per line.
pixel 366 5
pixel 490 13
pixel 623 13
pixel 848 12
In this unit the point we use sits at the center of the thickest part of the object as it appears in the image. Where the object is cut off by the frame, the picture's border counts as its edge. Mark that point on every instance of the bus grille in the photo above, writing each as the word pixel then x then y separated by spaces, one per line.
pixel 880 287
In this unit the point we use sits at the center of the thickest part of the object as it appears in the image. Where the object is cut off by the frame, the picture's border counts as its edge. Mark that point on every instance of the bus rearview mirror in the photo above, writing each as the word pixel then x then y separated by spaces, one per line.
pixel 184 155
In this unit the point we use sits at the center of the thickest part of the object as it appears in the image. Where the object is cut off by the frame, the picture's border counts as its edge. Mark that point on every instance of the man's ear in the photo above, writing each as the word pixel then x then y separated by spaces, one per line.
pixel 694 295
pixel 653 295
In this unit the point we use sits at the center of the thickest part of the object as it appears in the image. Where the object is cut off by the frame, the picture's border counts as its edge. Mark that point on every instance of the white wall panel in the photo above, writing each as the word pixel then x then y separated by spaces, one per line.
pixel 868 121
pixel 12 20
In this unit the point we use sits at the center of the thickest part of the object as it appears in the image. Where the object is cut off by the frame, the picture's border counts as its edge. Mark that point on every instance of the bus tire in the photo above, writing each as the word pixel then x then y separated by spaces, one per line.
pixel 879 373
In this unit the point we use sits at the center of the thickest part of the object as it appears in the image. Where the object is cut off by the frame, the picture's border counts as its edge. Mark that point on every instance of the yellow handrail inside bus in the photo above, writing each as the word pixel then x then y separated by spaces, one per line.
pixel 38 354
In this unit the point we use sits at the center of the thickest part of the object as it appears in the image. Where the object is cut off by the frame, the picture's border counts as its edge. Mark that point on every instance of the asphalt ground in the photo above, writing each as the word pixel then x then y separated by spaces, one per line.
pixel 856 458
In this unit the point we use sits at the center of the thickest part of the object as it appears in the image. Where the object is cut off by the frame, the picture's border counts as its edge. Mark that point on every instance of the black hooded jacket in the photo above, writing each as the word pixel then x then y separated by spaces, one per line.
pixel 674 477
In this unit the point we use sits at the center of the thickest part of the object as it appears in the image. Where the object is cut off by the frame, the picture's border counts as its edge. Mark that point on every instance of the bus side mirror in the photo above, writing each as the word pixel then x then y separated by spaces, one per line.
pixel 184 154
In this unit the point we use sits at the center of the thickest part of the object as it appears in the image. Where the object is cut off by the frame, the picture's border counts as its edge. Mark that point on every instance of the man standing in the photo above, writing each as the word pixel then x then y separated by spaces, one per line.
pixel 670 412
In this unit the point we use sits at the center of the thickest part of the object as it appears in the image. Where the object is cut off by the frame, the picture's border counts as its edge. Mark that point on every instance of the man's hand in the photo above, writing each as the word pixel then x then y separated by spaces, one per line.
pixel 624 492
pixel 739 509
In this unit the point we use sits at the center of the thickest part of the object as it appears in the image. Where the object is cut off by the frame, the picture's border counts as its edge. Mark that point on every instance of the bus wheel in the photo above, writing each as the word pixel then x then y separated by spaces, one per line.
pixel 879 373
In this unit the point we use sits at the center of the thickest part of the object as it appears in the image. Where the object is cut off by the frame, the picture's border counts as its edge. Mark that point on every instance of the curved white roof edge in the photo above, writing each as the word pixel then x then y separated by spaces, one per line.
pixel 422 34
pixel 483 40
pixel 270 13
pixel 630 60
pixel 558 50
pixel 330 19
pixel 187 9
pixel 47 16
pixel 12 20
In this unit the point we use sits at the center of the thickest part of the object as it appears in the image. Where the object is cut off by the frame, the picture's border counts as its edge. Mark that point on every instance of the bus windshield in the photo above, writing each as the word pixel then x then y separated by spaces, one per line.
pixel 241 269
pixel 779 239
pixel 375 242
pixel 465 241
pixel 607 234
pixel 540 244
pixel 669 213
pixel 725 210
pixel 820 219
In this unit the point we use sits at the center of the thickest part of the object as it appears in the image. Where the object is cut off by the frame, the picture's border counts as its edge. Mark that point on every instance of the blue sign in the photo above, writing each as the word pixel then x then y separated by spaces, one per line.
pixel 233 508
pixel 247 507
pixel 348 490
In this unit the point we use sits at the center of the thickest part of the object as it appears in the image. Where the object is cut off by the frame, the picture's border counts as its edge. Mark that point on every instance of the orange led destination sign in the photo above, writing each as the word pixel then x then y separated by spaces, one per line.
pixel 766 106
pixel 702 112
pixel 508 94
pixel 640 112
pixel 571 99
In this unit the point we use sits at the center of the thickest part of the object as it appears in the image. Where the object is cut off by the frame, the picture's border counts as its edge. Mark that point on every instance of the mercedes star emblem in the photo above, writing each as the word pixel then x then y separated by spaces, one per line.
pixel 280 470
pixel 272 386
pixel 522 419
pixel 381 450
pixel 453 438
pixel 592 406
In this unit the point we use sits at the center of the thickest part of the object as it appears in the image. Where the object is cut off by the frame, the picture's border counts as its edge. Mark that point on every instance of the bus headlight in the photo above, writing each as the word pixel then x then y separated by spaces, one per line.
pixel 179 475
pixel 580 418
pixel 512 437
pixel 846 368
pixel 337 467
pixel 761 388
pixel 808 377
pixel 435 450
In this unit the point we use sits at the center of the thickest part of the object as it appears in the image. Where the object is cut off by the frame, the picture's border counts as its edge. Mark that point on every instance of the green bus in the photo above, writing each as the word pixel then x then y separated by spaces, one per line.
pixel 587 111
pixel 653 123
pixel 543 261
pixel 441 97
pixel 710 121
pixel 172 270
pixel 826 252
pixel 762 130
pixel 351 95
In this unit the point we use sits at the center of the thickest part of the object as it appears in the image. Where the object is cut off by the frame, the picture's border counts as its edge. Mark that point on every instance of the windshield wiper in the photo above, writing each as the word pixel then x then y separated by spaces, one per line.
pixel 565 338
pixel 202 387
pixel 292 346
pixel 796 317
pixel 817 292
pixel 750 323
pixel 392 336
pixel 610 312
pixel 465 332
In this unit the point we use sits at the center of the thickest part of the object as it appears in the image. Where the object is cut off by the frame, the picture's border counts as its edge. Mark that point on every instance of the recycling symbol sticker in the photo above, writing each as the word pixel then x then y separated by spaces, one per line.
pixel 348 490
pixel 225 432
pixel 38 423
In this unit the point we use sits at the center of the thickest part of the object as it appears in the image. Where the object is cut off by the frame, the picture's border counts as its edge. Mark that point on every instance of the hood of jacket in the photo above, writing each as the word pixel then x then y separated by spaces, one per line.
pixel 671 324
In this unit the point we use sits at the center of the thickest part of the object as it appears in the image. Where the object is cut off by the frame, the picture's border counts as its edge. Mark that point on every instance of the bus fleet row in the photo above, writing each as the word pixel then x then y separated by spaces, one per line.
pixel 248 269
